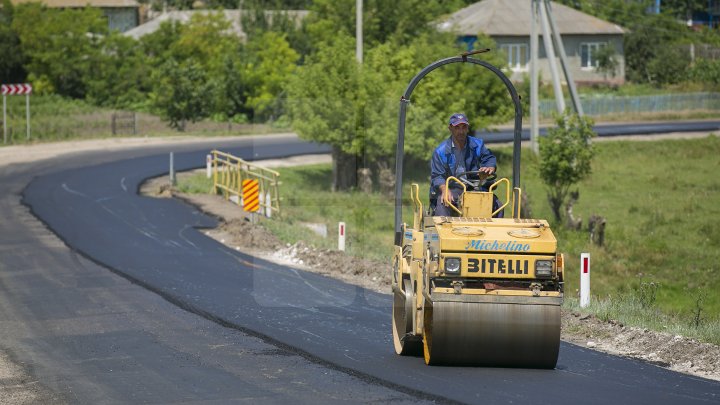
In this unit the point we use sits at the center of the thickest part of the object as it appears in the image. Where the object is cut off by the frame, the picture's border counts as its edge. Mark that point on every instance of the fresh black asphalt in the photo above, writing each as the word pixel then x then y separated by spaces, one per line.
pixel 84 335
pixel 156 243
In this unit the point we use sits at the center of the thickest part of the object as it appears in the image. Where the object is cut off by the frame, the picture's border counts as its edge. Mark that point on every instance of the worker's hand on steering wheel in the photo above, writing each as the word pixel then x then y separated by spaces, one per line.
pixel 487 170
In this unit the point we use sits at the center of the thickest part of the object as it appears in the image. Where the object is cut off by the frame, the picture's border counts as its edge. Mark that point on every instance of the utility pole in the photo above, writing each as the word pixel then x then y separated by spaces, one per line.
pixel 563 60
pixel 541 9
pixel 534 110
pixel 550 54
pixel 359 30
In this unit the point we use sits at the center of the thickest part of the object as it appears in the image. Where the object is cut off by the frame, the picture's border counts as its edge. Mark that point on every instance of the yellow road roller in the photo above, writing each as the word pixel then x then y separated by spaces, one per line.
pixel 475 289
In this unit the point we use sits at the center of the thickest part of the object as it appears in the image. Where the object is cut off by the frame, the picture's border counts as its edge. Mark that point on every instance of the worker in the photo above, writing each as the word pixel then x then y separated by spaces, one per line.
pixel 456 155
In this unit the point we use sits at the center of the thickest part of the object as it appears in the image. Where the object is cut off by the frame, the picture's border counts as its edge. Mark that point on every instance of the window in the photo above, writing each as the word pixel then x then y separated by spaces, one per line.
pixel 517 55
pixel 588 53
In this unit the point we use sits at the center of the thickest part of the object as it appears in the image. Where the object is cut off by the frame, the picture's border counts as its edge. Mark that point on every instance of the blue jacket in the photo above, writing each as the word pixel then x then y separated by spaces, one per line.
pixel 443 165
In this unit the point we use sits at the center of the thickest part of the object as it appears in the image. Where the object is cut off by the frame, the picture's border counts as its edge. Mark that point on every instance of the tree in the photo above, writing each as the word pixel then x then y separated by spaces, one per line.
pixel 622 12
pixel 354 108
pixel 121 76
pixel 61 46
pixel 325 101
pixel 565 158
pixel 182 92
pixel 205 40
pixel 11 63
pixel 607 63
pixel 683 9
pixel 269 62
pixel 651 41
pixel 402 20
pixel 261 16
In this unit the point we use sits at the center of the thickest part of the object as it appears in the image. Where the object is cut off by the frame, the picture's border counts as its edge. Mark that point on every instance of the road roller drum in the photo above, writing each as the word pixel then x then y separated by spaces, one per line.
pixel 491 331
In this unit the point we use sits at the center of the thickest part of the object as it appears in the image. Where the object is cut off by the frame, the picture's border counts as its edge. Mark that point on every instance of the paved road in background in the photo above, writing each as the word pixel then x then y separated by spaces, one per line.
pixel 610 130
pixel 331 339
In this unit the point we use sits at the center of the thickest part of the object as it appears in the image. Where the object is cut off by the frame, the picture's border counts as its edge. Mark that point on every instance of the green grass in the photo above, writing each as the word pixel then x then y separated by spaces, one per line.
pixel 307 198
pixel 54 118
pixel 661 201
pixel 632 309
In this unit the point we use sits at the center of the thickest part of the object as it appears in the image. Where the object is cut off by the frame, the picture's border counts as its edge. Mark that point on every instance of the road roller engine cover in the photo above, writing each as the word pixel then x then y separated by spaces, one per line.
pixel 475 289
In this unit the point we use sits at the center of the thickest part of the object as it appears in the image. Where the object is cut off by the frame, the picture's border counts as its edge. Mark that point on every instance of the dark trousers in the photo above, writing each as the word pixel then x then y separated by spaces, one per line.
pixel 442 211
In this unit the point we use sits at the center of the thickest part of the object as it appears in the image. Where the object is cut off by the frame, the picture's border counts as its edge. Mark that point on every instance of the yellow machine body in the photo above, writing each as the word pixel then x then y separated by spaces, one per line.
pixel 478 290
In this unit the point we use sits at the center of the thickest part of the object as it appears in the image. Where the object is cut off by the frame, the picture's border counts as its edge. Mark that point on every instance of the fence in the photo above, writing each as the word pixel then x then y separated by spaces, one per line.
pixel 228 173
pixel 124 123
pixel 639 104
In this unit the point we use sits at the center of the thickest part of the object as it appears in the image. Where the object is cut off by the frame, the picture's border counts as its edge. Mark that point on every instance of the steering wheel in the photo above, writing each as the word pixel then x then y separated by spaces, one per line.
pixel 482 178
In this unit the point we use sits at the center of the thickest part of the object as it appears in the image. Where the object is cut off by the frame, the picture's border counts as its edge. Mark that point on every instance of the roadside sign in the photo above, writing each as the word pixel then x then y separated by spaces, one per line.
pixel 251 195
pixel 16 89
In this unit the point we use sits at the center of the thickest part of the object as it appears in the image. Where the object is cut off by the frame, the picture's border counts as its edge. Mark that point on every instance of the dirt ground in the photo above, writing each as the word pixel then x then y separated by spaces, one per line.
pixel 664 350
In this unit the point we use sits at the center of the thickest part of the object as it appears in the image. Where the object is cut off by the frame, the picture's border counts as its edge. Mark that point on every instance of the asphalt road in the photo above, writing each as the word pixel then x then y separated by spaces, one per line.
pixel 250 315
pixel 85 335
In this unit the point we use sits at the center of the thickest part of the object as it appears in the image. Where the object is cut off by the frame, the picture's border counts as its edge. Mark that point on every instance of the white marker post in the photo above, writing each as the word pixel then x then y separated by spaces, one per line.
pixel 341 236
pixel 173 181
pixel 208 166
pixel 268 208
pixel 584 280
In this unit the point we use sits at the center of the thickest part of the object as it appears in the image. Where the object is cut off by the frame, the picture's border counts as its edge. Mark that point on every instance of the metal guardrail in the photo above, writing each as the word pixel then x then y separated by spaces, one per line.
pixel 607 105
pixel 228 173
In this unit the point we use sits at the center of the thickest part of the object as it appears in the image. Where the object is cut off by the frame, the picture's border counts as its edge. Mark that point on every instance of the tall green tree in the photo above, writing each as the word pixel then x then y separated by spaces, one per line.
pixel 401 19
pixel 268 64
pixel 11 63
pixel 607 62
pixel 354 108
pixel 325 99
pixel 120 76
pixel 205 39
pixel 622 12
pixel 652 54
pixel 683 9
pixel 183 92
pixel 61 46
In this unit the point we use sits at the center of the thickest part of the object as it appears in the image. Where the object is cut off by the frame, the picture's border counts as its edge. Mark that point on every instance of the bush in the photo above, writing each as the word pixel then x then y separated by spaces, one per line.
pixel 565 158
pixel 705 71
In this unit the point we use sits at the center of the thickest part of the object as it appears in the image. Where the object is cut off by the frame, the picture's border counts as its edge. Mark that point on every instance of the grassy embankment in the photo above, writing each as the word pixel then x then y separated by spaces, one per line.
pixel 661 200
pixel 53 118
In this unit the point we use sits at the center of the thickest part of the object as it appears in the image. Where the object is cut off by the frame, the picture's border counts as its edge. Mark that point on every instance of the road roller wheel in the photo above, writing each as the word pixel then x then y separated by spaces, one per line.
pixel 491 331
pixel 402 322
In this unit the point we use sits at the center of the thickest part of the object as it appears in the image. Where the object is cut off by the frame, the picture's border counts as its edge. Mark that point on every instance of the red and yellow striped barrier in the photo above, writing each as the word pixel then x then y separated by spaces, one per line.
pixel 251 195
